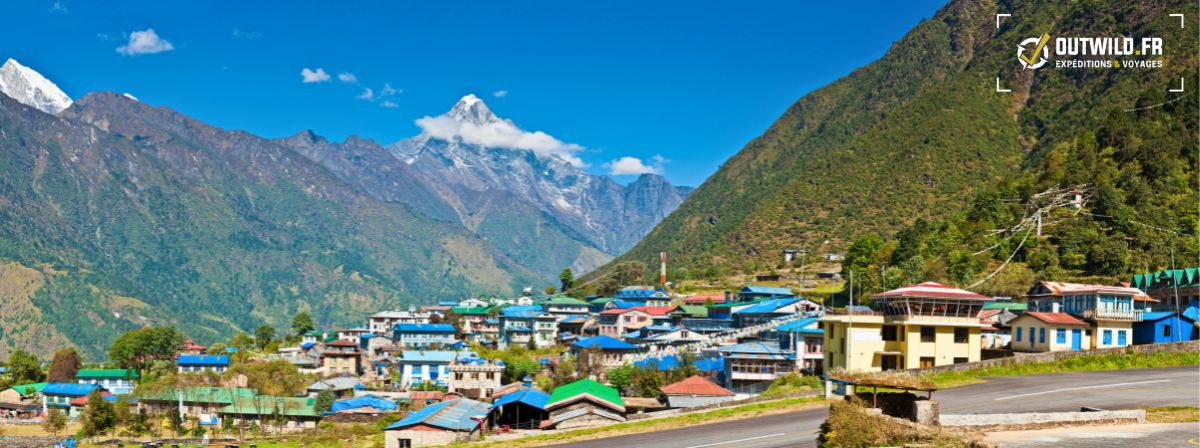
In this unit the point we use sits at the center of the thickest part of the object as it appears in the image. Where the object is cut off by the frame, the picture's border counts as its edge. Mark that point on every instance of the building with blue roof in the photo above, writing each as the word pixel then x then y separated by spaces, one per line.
pixel 523 409
pixel 613 351
pixel 419 367
pixel 754 292
pixel 423 335
pixel 806 339
pixel 644 296
pixel 59 395
pixel 202 363
pixel 1163 326
pixel 521 324
pixel 752 366
pixel 438 424
pixel 771 309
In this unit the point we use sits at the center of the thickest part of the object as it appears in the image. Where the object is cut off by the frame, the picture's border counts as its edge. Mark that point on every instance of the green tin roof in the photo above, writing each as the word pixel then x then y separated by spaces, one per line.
pixel 586 386
pixel 479 310
pixel 200 394
pixel 106 373
pixel 1011 306
pixel 692 310
pixel 563 300
pixel 29 389
pixel 266 405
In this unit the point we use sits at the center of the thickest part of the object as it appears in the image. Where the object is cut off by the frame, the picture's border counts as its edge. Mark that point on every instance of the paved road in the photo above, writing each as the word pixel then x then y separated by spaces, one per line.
pixel 1153 434
pixel 1116 389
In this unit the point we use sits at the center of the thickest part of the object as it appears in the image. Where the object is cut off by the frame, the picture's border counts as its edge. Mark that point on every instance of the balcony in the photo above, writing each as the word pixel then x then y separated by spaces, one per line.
pixel 1119 315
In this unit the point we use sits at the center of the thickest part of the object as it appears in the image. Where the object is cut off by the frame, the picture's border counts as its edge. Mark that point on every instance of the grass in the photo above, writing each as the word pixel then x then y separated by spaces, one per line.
pixel 1173 414
pixel 849 425
pixel 1076 364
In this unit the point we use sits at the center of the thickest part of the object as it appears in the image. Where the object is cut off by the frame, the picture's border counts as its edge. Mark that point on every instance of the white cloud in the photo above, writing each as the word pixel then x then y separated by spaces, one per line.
pixel 145 42
pixel 367 94
pixel 389 104
pixel 500 93
pixel 500 134
pixel 627 165
pixel 310 76
pixel 59 7
pixel 347 77
pixel 239 34
pixel 388 90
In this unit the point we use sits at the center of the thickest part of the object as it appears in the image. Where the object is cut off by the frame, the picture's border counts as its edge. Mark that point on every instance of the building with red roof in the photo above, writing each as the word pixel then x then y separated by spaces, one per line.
pixel 1036 331
pixel 918 326
pixel 695 391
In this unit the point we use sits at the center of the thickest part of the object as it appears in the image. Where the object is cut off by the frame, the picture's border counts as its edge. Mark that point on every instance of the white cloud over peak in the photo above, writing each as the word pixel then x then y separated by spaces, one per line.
pixel 628 165
pixel 500 93
pixel 145 42
pixel 310 76
pixel 367 94
pixel 347 77
pixel 500 134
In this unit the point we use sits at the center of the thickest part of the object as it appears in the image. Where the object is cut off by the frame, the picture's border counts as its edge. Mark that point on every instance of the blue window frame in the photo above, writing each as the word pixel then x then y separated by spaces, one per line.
pixel 1042 335
pixel 1060 336
pixel 1018 333
pixel 1121 337
pixel 1107 337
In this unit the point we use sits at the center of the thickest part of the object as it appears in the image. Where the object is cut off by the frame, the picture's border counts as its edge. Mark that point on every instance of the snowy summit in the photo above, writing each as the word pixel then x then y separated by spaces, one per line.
pixel 31 88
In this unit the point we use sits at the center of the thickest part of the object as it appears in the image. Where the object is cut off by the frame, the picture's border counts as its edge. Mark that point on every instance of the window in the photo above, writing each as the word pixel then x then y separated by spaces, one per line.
pixel 960 335
pixel 889 332
pixel 1167 330
pixel 960 360
pixel 1018 333
pixel 1060 336
pixel 927 334
pixel 1107 337
pixel 1121 338
pixel 404 443
pixel 926 362
pixel 1042 335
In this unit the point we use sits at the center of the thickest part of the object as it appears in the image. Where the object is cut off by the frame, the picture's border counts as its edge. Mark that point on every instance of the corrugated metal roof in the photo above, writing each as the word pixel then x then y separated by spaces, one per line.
pixel 202 360
pixel 531 397
pixel 696 385
pixel 1056 318
pixel 772 290
pixel 766 307
pixel 69 389
pixel 586 389
pixel 106 373
pixel 425 328
pixel 454 415
pixel 931 290
pixel 604 343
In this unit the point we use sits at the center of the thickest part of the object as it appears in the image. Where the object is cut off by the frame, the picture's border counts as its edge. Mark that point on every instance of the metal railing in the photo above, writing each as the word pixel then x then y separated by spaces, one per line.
pixel 1122 315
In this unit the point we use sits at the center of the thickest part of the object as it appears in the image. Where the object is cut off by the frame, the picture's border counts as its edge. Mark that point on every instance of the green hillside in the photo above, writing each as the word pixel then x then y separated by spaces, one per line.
pixel 921 138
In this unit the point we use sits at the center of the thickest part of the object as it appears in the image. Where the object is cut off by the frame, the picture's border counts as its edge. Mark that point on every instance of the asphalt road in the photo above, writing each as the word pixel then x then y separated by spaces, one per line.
pixel 1115 389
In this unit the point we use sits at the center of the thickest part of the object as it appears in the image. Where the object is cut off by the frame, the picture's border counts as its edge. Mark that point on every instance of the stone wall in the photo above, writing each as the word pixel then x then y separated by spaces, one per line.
pixel 1024 358
pixel 1034 420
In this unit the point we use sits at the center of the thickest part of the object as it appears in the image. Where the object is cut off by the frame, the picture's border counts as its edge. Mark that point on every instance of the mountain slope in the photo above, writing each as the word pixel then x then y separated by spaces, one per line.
pixel 912 135
pixel 130 215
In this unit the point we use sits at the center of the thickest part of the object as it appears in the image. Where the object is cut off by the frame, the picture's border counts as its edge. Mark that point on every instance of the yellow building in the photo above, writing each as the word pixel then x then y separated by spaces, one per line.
pixel 919 326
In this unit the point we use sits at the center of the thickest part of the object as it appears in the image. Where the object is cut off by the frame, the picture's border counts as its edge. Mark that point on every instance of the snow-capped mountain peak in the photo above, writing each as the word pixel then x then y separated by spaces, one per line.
pixel 471 109
pixel 31 88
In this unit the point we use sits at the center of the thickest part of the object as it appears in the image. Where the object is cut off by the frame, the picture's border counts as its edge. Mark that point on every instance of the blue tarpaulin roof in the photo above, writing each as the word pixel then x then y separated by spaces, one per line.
pixel 671 362
pixel 364 401
pixel 522 311
pixel 605 343
pixel 532 397
pixel 771 290
pixel 307 345
pixel 454 415
pixel 1192 312
pixel 807 325
pixel 203 360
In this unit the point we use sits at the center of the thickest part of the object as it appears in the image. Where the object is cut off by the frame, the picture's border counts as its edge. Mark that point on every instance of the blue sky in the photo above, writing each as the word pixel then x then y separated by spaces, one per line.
pixel 690 82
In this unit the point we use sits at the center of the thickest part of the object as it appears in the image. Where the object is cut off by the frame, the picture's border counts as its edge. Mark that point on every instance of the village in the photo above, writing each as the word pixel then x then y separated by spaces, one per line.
pixel 490 367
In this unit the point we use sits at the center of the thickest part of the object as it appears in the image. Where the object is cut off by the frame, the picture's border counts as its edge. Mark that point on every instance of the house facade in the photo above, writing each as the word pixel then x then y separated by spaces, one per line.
pixel 423 335
pixel 384 322
pixel 117 381
pixel 1111 310
pixel 917 326
pixel 1036 331
pixel 202 363
pixel 518 325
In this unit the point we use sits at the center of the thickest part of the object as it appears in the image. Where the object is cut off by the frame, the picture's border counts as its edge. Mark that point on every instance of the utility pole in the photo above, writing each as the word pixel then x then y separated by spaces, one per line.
pixel 1175 326
pixel 803 260
pixel 849 320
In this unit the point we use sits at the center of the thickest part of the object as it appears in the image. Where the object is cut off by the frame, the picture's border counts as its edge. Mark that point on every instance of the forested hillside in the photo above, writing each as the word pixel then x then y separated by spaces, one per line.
pixel 911 161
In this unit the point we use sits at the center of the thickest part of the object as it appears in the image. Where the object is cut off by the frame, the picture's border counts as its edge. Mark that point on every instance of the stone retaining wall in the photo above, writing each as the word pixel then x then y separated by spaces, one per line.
pixel 1024 358
pixel 1035 420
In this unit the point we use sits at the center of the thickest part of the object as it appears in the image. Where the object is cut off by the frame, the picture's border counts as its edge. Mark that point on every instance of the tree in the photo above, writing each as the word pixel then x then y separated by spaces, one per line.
pixel 324 401
pixel 55 422
pixel 65 366
pixel 23 367
pixel 277 378
pixel 302 323
pixel 567 279
pixel 134 348
pixel 263 335
pixel 549 290
pixel 515 369
pixel 98 416
pixel 619 377
pixel 241 341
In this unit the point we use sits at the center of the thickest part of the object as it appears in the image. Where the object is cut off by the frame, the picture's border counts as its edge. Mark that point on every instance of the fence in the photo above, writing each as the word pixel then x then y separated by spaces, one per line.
pixel 1025 358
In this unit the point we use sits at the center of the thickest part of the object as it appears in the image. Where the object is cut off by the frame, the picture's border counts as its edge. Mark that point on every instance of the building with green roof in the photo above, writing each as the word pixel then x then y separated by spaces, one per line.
pixel 1167 285
pixel 195 400
pixel 1011 306
pixel 29 390
pixel 564 305
pixel 117 381
pixel 296 412
pixel 583 403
